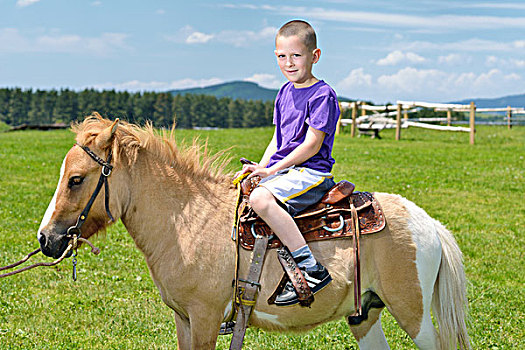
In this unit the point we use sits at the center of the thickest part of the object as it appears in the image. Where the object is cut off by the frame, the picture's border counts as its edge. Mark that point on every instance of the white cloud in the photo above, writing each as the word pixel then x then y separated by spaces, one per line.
pixel 13 41
pixel 265 80
pixel 246 37
pixel 160 12
pixel 440 22
pixel 24 3
pixel 355 80
pixel 512 77
pixel 96 3
pixel 136 85
pixel 237 38
pixel 103 45
pixel 453 59
pixel 518 63
pixel 498 5
pixel 411 80
pixel 492 60
pixel 431 85
pixel 198 38
pixel 519 44
pixel 397 57
pixel 473 45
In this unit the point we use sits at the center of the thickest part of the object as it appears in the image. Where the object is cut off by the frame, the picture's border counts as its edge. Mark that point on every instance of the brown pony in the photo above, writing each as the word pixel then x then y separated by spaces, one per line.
pixel 178 204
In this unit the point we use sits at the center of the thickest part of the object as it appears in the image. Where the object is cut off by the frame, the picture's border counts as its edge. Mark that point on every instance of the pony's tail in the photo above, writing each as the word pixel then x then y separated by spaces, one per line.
pixel 449 302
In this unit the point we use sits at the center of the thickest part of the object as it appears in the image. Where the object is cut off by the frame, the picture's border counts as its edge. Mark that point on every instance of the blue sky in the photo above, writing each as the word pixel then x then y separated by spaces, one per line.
pixel 372 50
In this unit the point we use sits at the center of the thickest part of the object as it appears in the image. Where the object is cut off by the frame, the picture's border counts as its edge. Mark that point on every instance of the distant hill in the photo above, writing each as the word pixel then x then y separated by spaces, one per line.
pixel 245 90
pixel 513 100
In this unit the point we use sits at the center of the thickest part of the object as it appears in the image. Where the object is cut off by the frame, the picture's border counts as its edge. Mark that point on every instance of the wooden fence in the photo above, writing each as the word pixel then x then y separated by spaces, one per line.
pixel 383 117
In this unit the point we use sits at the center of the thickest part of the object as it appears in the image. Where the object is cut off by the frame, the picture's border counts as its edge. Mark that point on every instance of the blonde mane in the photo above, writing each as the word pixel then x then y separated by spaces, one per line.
pixel 194 159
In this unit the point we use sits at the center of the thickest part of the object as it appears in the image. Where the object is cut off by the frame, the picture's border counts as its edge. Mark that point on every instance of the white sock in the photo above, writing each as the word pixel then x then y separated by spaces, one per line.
pixel 305 257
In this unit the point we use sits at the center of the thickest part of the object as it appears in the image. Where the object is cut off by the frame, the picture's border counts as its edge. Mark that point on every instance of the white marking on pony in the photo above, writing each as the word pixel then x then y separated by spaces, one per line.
pixel 51 208
pixel 375 338
pixel 267 317
pixel 228 310
pixel 428 260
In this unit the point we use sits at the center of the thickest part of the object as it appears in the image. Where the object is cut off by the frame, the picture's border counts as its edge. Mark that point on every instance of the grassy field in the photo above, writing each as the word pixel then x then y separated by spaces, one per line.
pixel 476 191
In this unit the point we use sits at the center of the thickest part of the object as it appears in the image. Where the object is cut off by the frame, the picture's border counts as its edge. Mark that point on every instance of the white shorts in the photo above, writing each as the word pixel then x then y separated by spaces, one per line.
pixel 298 188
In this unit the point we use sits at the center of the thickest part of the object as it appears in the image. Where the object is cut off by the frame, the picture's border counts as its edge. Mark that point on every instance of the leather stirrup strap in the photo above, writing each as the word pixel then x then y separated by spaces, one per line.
pixel 357 263
pixel 294 274
pixel 247 292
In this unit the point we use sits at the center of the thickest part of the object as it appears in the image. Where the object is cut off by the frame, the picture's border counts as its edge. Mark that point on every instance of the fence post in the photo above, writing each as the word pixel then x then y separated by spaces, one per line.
pixel 449 117
pixel 472 122
pixel 338 125
pixel 398 122
pixel 354 113
pixel 405 114
pixel 509 117
pixel 363 111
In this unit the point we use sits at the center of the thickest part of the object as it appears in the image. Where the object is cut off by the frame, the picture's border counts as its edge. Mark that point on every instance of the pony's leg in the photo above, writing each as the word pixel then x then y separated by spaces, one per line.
pixel 369 333
pixel 411 309
pixel 427 337
pixel 183 332
pixel 205 329
pixel 408 272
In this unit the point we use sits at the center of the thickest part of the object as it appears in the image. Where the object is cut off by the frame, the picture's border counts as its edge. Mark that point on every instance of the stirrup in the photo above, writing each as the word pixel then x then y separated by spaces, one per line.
pixel 226 328
pixel 317 279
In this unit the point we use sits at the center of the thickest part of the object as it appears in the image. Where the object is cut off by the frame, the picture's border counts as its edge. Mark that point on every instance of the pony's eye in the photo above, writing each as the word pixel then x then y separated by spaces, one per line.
pixel 75 181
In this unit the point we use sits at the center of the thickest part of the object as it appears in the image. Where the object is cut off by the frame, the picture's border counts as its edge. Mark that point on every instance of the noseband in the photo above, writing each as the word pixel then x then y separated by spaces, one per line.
pixel 103 180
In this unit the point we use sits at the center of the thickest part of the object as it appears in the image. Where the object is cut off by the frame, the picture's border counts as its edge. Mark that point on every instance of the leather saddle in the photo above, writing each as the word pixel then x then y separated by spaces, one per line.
pixel 328 219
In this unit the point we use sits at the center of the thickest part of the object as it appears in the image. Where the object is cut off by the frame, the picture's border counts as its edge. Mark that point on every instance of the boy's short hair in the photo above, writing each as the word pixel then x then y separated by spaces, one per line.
pixel 302 29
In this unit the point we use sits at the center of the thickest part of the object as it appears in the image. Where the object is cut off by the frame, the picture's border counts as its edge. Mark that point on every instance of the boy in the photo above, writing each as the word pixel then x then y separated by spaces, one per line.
pixel 295 168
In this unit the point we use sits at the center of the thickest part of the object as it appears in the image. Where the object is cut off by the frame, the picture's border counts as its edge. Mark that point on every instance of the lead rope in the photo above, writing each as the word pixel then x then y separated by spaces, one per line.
pixel 71 245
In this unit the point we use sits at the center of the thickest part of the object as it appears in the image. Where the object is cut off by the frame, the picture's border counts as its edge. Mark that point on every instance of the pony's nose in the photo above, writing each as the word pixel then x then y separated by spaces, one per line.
pixel 42 240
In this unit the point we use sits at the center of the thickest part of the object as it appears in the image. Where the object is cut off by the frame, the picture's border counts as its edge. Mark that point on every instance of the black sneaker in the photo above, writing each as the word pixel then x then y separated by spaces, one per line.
pixel 317 278
pixel 227 328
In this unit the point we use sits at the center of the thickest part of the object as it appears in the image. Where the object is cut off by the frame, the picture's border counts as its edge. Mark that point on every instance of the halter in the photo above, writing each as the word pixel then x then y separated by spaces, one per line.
pixel 74 231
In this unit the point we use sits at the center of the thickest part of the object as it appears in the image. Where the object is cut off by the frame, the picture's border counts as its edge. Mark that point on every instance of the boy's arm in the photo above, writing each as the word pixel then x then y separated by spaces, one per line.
pixel 310 146
pixel 270 150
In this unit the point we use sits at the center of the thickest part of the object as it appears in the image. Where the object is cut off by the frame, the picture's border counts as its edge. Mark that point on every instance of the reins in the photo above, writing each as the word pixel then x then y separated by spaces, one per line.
pixel 74 233
pixel 71 246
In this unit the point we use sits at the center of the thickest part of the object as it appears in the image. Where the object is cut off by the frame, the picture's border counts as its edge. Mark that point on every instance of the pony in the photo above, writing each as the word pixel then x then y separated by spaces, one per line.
pixel 177 203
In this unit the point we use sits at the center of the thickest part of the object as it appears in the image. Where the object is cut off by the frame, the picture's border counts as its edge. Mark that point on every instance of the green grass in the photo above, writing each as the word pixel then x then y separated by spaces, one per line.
pixel 477 191
pixel 4 126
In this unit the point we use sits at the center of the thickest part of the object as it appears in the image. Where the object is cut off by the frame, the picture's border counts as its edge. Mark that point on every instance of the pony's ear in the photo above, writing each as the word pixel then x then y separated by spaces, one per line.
pixel 105 138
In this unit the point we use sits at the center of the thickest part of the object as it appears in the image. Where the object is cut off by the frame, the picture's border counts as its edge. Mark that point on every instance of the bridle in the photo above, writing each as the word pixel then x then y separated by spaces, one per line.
pixel 74 231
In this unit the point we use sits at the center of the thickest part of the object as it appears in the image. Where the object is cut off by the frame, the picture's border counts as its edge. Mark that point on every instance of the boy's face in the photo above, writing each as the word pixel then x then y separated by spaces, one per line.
pixel 295 60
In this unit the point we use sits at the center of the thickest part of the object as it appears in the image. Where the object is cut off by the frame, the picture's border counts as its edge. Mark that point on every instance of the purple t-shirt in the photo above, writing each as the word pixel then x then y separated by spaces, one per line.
pixel 296 110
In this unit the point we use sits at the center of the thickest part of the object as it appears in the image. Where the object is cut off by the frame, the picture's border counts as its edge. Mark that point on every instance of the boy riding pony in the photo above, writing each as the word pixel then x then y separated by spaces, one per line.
pixel 295 169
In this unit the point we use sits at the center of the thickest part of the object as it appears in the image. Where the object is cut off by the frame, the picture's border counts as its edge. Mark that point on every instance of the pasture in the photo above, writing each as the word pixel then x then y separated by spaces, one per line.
pixel 476 191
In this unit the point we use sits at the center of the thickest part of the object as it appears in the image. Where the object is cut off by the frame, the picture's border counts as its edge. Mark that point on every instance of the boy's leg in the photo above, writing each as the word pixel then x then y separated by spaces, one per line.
pixel 283 225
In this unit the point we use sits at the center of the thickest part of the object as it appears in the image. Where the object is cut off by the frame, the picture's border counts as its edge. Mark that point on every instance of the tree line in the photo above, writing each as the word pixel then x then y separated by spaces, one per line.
pixel 19 106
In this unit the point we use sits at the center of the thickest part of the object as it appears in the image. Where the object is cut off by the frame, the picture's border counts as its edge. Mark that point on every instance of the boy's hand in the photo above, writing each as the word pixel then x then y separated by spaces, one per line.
pixel 254 169
pixel 246 168
pixel 260 171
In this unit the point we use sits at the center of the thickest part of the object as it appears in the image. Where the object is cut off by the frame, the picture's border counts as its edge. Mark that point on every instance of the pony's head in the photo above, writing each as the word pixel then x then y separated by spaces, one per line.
pixel 79 176
pixel 80 173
